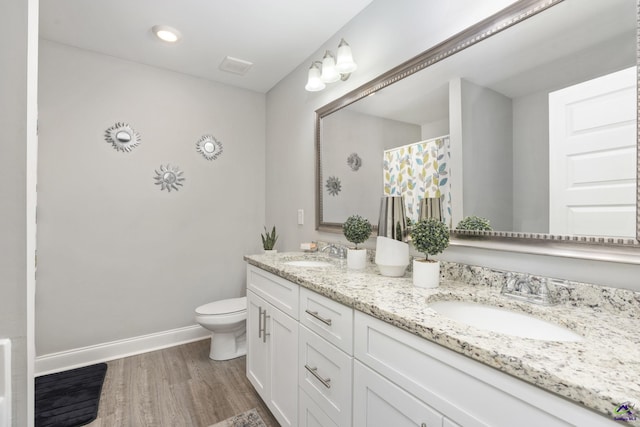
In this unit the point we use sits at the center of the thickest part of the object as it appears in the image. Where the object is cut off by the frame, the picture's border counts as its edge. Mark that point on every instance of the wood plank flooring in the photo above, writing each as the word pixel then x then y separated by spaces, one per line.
pixel 176 387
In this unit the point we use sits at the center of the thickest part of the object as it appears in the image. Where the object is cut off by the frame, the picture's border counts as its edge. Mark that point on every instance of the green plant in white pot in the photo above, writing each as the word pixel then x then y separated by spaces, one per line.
pixel 429 236
pixel 357 230
pixel 269 240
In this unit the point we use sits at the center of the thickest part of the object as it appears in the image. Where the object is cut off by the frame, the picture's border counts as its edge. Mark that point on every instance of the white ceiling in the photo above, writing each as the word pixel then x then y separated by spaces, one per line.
pixel 275 35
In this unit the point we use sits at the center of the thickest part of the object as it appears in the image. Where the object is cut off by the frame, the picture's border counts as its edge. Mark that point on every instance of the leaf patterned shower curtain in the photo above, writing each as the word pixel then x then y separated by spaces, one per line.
pixel 419 170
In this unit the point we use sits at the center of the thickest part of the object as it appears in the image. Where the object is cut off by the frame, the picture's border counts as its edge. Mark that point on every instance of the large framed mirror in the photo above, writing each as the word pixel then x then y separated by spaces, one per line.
pixel 534 112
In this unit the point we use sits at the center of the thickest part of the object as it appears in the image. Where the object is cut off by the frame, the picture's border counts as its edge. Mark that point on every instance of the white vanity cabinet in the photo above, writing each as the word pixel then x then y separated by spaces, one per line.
pixel 272 342
pixel 436 380
pixel 380 403
pixel 318 363
pixel 325 360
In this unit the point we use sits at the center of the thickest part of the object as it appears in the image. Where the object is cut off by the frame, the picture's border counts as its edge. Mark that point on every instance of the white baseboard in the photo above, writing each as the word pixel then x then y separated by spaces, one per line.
pixel 70 359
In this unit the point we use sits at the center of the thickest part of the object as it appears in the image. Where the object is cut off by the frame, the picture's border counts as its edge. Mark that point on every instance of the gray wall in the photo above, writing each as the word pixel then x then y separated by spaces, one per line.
pixel 384 35
pixel 368 136
pixel 487 133
pixel 17 121
pixel 531 163
pixel 118 257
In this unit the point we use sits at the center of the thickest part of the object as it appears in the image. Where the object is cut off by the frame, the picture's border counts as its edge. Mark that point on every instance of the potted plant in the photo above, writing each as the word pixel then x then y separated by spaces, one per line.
pixel 269 240
pixel 474 223
pixel 429 236
pixel 357 230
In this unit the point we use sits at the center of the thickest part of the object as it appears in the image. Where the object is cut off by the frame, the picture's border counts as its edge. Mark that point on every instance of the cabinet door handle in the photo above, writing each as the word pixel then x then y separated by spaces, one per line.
pixel 314 371
pixel 264 325
pixel 259 322
pixel 317 316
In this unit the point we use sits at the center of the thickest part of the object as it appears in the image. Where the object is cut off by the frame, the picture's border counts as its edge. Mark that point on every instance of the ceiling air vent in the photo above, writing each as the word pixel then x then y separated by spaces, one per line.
pixel 235 65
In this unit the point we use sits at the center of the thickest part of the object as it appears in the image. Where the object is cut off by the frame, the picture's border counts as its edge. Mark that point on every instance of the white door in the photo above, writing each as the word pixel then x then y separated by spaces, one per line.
pixel 257 346
pixel 592 157
pixel 378 402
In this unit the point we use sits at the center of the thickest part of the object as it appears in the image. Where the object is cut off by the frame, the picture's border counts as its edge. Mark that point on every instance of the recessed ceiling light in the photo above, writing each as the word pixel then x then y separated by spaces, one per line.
pixel 166 33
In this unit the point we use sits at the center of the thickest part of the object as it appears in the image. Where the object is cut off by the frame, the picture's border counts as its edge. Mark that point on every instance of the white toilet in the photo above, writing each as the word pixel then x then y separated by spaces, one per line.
pixel 227 321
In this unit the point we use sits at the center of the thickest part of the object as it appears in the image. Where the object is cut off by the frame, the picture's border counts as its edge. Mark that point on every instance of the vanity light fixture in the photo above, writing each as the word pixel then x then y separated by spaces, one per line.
pixel 330 69
pixel 166 33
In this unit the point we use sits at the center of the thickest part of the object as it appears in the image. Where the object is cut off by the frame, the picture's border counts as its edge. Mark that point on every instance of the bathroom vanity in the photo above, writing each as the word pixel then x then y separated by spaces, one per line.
pixel 332 347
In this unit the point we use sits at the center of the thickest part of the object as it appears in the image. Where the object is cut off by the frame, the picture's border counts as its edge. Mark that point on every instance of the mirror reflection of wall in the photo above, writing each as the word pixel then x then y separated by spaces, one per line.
pixel 368 136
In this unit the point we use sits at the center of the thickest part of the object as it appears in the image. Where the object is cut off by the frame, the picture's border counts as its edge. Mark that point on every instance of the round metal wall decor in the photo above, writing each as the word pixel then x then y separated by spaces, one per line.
pixel 354 161
pixel 209 147
pixel 122 137
pixel 169 178
pixel 333 185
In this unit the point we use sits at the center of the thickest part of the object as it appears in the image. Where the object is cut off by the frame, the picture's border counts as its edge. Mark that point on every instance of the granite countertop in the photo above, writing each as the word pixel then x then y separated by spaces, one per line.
pixel 600 372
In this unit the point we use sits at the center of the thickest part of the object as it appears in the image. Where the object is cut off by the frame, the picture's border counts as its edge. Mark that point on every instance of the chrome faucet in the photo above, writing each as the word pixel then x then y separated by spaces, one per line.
pixel 528 288
pixel 335 251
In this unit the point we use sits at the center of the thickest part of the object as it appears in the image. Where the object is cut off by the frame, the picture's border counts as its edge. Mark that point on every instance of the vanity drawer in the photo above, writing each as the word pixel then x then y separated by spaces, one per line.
pixel 329 319
pixel 310 414
pixel 280 292
pixel 325 375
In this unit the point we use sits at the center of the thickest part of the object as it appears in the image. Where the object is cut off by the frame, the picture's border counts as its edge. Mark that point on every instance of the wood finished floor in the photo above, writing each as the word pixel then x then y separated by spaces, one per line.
pixel 176 387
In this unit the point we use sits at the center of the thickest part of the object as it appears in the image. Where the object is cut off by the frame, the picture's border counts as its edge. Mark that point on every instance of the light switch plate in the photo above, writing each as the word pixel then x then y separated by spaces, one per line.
pixel 300 216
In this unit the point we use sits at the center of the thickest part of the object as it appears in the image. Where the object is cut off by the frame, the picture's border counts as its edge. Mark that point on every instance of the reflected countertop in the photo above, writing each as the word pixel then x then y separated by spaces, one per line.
pixel 600 372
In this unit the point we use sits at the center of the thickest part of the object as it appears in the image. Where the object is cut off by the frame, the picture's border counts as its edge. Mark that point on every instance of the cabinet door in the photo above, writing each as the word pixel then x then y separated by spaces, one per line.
pixel 377 402
pixel 257 346
pixel 282 336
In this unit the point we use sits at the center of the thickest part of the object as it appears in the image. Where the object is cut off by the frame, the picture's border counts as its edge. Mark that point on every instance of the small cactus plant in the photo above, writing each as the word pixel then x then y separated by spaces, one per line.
pixel 269 239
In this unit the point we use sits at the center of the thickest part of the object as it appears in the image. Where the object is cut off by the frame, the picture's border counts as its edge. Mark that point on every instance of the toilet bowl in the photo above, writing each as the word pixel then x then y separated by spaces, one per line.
pixel 226 319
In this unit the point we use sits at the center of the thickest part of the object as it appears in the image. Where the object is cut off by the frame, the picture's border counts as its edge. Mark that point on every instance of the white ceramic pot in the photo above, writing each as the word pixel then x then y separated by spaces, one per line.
pixel 270 251
pixel 426 274
pixel 356 259
pixel 392 256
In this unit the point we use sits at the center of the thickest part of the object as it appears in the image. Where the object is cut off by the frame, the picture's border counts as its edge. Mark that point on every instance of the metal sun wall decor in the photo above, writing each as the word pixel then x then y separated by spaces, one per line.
pixel 333 185
pixel 169 178
pixel 122 137
pixel 354 161
pixel 209 147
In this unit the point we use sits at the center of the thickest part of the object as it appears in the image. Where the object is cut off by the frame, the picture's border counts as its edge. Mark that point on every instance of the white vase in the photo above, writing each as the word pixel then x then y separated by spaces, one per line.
pixel 356 259
pixel 426 274
pixel 392 256
pixel 270 251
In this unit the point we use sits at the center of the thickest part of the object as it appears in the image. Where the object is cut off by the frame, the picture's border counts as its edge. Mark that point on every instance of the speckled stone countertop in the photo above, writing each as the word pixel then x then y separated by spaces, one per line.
pixel 600 372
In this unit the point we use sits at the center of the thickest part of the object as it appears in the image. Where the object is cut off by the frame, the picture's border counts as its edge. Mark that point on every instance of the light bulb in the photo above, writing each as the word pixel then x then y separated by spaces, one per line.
pixel 314 82
pixel 329 73
pixel 344 63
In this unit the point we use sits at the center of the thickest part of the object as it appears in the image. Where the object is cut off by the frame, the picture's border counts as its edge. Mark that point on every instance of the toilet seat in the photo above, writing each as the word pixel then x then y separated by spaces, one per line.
pixel 227 306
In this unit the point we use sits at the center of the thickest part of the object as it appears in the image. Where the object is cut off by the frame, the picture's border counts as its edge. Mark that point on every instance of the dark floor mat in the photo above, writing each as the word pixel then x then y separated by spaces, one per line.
pixel 69 398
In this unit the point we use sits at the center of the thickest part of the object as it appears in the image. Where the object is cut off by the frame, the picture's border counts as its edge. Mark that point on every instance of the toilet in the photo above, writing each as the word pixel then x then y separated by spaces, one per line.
pixel 226 319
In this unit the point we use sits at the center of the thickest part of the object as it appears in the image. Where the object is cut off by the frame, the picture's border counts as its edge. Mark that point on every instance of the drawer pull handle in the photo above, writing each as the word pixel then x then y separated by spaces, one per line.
pixel 317 316
pixel 314 371
pixel 262 324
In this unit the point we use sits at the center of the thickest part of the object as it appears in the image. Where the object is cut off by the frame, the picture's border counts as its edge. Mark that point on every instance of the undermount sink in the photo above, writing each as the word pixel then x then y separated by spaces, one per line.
pixel 308 263
pixel 503 321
